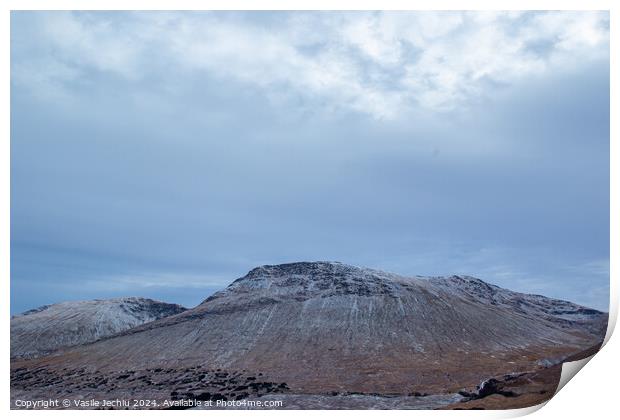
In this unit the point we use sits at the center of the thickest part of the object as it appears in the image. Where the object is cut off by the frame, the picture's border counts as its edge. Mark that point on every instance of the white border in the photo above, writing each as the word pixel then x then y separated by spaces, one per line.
pixel 308 5
pixel 598 381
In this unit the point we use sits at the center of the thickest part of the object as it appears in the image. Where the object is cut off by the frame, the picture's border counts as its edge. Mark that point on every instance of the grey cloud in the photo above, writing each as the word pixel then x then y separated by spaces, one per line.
pixel 164 182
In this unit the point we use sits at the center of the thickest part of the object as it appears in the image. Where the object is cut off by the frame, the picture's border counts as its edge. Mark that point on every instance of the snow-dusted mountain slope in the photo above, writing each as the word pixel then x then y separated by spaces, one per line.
pixel 48 328
pixel 331 327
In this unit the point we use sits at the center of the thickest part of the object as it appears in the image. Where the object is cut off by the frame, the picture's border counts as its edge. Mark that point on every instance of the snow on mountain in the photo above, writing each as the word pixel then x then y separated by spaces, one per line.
pixel 51 327
pixel 325 328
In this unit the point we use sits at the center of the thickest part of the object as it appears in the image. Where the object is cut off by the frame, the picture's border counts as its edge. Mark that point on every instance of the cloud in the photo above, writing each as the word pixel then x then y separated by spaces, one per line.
pixel 155 149
pixel 382 64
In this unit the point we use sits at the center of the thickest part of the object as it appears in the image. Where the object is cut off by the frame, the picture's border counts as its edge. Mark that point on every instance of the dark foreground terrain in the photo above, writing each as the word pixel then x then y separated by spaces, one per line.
pixel 328 335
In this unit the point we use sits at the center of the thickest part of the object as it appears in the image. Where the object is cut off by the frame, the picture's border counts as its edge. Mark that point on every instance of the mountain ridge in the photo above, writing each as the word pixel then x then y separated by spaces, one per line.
pixel 325 327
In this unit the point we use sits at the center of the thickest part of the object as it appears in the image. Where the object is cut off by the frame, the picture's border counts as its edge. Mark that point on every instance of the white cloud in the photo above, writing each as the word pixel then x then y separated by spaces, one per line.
pixel 381 64
pixel 87 41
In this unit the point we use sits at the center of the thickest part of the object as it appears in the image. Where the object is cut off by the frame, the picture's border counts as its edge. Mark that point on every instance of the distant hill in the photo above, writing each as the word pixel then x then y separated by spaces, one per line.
pixel 51 327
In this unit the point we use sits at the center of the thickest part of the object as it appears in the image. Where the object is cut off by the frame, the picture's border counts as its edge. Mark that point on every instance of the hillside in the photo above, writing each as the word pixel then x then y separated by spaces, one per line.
pixel 48 328
pixel 326 329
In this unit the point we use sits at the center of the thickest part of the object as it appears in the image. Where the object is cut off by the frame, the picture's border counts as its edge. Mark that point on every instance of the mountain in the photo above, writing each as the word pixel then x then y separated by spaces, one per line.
pixel 330 331
pixel 51 327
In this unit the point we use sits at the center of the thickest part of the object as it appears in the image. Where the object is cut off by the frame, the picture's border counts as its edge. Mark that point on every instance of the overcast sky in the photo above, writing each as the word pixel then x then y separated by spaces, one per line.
pixel 165 154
